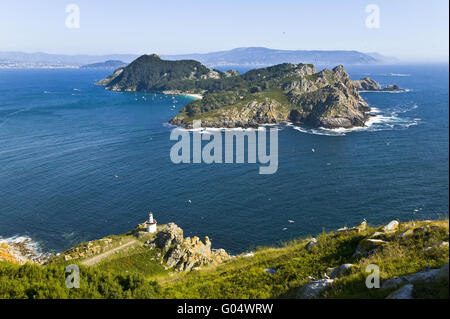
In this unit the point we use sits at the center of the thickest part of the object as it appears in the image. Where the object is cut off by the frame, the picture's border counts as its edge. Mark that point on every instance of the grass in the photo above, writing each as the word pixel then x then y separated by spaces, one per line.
pixel 135 273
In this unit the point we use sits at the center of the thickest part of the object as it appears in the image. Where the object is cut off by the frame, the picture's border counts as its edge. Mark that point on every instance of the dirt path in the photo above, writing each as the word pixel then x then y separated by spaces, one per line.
pixel 94 260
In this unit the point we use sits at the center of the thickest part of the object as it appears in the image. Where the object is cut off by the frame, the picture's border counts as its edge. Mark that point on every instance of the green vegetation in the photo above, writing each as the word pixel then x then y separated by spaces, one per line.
pixel 326 98
pixel 134 273
pixel 38 282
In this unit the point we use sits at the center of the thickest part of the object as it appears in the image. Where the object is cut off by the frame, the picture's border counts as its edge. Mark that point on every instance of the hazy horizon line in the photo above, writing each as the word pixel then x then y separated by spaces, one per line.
pixel 400 60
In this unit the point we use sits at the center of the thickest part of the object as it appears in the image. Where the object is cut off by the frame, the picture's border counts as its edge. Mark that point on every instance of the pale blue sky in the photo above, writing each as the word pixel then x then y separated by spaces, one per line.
pixel 409 29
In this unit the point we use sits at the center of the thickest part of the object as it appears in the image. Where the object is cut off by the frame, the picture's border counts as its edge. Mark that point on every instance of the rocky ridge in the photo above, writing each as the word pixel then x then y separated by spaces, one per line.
pixel 184 254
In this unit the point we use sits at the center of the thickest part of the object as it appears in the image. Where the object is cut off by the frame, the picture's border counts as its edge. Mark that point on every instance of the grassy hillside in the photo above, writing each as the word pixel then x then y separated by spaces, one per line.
pixel 135 272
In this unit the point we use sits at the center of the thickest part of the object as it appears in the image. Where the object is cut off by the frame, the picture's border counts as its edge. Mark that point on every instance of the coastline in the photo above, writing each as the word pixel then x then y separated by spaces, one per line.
pixel 22 249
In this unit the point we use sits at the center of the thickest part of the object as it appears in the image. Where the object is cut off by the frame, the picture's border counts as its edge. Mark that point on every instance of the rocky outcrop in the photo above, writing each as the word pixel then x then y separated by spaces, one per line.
pixel 368 84
pixel 422 276
pixel 391 226
pixel 405 292
pixel 21 251
pixel 311 244
pixel 340 271
pixel 313 289
pixel 184 254
pixel 91 248
pixel 368 246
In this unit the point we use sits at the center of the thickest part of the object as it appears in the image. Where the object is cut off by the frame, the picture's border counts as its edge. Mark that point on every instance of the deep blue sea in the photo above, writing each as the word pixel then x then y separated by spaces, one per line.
pixel 78 163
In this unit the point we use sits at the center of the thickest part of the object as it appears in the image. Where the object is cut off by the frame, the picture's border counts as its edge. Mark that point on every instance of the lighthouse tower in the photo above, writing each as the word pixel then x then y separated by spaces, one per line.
pixel 151 224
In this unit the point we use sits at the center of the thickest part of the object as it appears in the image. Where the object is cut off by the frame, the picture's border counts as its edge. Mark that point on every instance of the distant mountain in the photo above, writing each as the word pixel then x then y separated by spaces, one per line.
pixel 39 59
pixel 241 57
pixel 110 64
pixel 260 57
pixel 382 58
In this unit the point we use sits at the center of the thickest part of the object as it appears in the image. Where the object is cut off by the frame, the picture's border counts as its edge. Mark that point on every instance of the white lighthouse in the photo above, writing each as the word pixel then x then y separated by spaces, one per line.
pixel 151 224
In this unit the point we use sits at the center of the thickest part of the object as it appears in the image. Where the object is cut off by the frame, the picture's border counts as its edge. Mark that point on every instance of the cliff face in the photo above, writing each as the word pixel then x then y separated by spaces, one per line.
pixel 282 93
pixel 184 254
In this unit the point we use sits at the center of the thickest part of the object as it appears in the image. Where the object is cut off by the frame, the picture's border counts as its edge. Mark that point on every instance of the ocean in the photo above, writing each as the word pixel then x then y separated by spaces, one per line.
pixel 79 163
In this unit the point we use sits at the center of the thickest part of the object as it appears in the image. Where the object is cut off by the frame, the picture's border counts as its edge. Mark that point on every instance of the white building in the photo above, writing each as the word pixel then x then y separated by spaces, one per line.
pixel 151 224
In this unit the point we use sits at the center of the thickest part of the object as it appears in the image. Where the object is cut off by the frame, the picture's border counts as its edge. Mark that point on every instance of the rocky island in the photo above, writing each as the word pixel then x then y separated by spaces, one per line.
pixel 368 84
pixel 282 93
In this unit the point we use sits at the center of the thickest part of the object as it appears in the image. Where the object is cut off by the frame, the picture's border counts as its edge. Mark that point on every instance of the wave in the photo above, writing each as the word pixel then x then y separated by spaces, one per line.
pixel 30 249
pixel 391 92
pixel 379 121
pixel 397 74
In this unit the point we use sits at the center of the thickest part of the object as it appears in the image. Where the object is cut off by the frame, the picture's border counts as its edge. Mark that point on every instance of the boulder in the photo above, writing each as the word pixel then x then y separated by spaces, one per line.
pixel 391 226
pixel 369 245
pixel 313 289
pixel 424 276
pixel 405 233
pixel 312 243
pixel 405 292
pixel 341 270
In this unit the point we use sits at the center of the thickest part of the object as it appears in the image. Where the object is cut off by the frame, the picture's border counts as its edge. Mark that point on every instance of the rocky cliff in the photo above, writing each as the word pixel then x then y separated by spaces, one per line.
pixel 184 254
pixel 295 94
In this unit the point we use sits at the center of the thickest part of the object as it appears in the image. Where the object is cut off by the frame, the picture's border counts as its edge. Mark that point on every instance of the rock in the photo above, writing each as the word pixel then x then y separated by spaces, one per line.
pixel 368 84
pixel 391 226
pixel 184 254
pixel 405 292
pixel 405 233
pixel 377 234
pixel 426 276
pixel 393 282
pixel 392 88
pixel 369 245
pixel 313 289
pixel 341 271
pixel 361 227
pixel 271 271
pixel 167 236
pixel 443 244
pixel 311 244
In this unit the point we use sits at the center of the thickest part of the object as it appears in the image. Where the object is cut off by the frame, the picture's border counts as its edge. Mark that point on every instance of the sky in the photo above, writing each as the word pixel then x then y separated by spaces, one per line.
pixel 411 30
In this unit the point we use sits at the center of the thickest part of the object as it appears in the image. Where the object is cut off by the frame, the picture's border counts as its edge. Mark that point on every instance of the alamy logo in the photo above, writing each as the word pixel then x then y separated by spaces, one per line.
pixel 373 279
pixel 73 19
pixel 212 152
pixel 73 279
pixel 373 19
